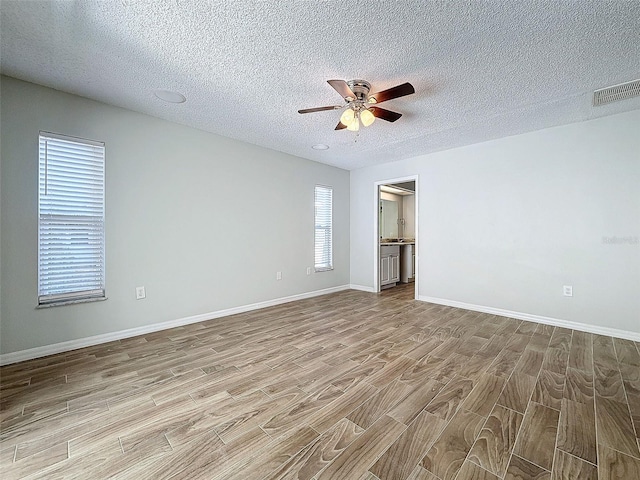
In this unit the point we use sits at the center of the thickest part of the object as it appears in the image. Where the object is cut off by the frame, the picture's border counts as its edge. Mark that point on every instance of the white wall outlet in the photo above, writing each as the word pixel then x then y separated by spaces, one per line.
pixel 278 275
pixel 308 270
pixel 140 293
pixel 567 290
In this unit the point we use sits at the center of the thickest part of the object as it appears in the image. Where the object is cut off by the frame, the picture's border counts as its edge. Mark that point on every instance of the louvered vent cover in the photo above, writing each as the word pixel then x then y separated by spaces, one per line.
pixel 616 92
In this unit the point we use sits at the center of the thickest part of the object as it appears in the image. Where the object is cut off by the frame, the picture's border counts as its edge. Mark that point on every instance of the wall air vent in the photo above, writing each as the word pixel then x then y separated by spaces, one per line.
pixel 616 92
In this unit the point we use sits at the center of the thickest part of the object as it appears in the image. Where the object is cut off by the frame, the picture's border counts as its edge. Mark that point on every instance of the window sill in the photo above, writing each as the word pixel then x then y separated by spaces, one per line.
pixel 326 269
pixel 70 302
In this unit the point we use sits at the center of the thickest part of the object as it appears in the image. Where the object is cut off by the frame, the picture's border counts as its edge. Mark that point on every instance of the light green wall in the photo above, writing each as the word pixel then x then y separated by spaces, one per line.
pixel 202 221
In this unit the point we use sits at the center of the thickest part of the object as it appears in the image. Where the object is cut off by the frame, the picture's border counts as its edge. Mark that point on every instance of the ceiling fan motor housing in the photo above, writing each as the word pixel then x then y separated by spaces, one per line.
pixel 361 90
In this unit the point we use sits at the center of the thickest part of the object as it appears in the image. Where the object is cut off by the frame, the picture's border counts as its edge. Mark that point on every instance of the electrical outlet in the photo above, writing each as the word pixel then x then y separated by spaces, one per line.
pixel 567 290
pixel 308 270
pixel 278 275
pixel 140 293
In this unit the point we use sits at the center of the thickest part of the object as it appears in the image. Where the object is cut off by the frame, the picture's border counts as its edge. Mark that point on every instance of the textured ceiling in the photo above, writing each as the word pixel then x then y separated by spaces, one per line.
pixel 481 69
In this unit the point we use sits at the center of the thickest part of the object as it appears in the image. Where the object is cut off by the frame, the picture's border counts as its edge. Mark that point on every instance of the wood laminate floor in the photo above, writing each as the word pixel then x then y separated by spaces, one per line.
pixel 351 385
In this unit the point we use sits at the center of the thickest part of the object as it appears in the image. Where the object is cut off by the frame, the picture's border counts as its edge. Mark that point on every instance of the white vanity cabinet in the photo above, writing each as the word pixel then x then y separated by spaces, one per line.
pixel 389 265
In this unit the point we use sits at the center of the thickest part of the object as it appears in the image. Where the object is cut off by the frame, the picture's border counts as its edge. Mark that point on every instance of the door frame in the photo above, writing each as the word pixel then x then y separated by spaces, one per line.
pixel 376 229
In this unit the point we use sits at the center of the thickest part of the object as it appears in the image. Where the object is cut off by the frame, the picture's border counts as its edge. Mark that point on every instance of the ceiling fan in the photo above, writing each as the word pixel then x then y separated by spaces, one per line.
pixel 361 105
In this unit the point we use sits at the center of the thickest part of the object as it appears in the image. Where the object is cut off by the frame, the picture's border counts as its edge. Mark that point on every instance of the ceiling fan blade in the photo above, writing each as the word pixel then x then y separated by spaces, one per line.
pixel 340 126
pixel 384 114
pixel 393 92
pixel 319 109
pixel 342 88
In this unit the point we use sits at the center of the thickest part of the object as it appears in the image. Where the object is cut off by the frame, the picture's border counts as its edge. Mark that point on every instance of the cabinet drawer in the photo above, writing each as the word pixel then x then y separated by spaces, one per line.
pixel 389 250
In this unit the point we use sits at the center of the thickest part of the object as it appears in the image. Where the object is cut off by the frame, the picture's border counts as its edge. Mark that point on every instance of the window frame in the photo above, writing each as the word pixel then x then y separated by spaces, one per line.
pixel 91 224
pixel 327 229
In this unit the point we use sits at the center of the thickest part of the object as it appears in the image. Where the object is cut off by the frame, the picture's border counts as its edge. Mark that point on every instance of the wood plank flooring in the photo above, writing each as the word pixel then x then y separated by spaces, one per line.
pixel 351 385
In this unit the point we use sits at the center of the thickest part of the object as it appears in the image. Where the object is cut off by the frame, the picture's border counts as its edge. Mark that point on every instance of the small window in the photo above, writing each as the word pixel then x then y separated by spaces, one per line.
pixel 71 253
pixel 324 228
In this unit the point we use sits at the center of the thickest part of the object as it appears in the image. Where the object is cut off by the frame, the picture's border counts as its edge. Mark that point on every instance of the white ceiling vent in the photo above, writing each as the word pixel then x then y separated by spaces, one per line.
pixel 616 92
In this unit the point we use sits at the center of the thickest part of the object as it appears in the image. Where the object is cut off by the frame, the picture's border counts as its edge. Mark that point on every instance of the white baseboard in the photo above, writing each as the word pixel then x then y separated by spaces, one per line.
pixel 556 322
pixel 362 288
pixel 37 352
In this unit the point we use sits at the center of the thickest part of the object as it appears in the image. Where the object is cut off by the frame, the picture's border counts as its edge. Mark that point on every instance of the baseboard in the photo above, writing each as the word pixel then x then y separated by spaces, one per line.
pixel 556 322
pixel 362 288
pixel 37 352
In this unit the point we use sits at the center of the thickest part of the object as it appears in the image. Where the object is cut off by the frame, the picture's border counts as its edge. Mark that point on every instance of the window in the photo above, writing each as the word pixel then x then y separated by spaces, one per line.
pixel 323 229
pixel 70 220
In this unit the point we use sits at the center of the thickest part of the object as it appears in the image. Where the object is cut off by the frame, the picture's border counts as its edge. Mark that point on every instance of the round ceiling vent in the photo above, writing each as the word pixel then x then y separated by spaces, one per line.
pixel 170 96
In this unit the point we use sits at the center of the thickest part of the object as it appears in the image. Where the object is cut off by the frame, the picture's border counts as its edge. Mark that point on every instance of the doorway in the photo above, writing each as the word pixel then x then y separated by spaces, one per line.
pixel 396 235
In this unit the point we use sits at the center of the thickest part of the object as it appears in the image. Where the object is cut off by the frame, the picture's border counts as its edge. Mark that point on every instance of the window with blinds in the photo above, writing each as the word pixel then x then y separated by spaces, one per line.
pixel 323 228
pixel 71 253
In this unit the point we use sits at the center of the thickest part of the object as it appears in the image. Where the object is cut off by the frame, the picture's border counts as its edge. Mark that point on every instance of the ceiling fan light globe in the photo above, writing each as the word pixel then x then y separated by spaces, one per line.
pixel 348 117
pixel 367 117
pixel 354 126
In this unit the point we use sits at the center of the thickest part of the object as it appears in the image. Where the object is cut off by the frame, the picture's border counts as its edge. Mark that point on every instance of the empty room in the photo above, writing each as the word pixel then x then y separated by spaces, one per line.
pixel 320 240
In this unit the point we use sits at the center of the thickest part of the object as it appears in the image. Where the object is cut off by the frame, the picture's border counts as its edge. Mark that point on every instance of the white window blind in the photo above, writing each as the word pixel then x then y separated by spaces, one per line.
pixel 71 253
pixel 324 228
